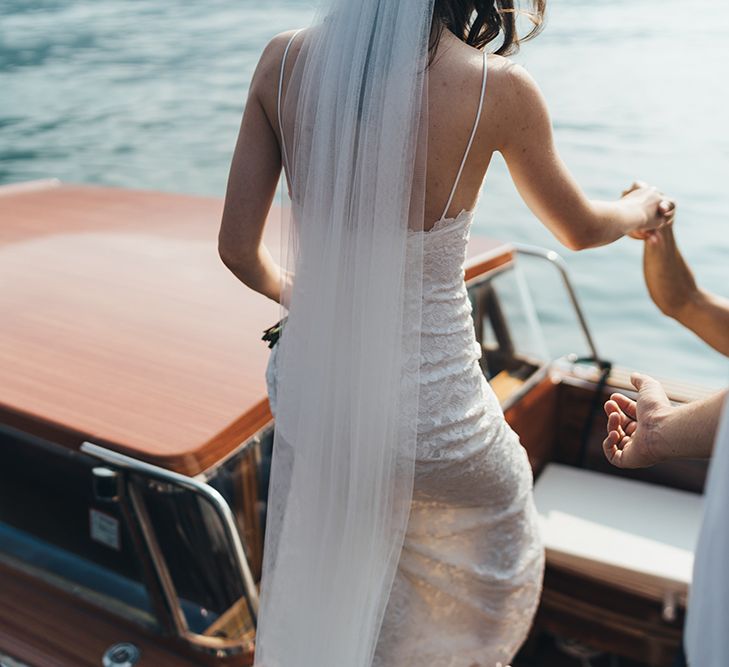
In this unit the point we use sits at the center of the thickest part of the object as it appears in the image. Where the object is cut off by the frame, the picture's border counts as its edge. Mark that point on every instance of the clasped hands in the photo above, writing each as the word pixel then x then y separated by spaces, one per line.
pixel 659 209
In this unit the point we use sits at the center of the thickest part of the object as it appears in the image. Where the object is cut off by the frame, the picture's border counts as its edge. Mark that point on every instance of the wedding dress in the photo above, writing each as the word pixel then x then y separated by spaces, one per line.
pixel 470 572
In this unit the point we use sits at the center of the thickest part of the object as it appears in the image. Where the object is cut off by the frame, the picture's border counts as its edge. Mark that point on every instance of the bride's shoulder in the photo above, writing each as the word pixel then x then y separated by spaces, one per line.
pixel 512 87
pixel 515 105
pixel 268 69
pixel 277 44
pixel 505 72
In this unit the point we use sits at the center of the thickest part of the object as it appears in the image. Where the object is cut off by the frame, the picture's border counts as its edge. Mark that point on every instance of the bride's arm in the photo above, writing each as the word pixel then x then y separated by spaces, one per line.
pixel 545 183
pixel 254 174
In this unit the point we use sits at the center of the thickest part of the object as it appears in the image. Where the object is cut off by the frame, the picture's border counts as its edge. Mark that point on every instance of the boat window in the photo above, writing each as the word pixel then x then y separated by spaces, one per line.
pixel 192 551
pixel 52 526
pixel 243 480
pixel 191 539
pixel 508 329
pixel 526 315
pixel 563 334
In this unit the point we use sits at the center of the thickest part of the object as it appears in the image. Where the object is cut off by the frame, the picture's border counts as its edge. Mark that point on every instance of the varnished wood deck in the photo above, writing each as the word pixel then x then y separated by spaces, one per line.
pixel 121 325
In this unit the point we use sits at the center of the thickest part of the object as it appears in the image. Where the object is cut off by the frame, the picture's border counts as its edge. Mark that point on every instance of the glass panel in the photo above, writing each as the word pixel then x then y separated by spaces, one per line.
pixel 507 326
pixel 243 481
pixel 198 556
pixel 563 333
pixel 52 525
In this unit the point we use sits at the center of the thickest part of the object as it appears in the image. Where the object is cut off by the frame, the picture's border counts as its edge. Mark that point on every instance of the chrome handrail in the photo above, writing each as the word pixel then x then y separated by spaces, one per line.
pixel 216 500
pixel 556 260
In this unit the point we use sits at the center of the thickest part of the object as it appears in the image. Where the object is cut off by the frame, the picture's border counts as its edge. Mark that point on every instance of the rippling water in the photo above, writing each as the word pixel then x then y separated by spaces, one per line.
pixel 148 94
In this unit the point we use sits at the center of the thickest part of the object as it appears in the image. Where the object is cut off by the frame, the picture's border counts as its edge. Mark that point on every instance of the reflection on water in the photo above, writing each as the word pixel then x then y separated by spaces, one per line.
pixel 149 94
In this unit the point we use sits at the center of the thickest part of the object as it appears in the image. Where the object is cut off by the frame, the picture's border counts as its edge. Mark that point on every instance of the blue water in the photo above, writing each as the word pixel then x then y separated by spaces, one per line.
pixel 149 94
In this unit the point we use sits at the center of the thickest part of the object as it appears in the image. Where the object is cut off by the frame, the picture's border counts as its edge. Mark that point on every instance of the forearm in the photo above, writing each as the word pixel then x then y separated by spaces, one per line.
pixel 558 201
pixel 607 221
pixel 688 431
pixel 707 315
pixel 259 272
pixel 577 222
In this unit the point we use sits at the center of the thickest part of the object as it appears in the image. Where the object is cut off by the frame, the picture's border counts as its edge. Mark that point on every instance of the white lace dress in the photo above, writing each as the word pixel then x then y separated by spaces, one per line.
pixel 470 573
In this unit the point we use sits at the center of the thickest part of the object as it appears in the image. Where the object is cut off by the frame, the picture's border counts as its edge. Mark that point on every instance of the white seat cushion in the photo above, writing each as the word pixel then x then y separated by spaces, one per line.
pixel 628 533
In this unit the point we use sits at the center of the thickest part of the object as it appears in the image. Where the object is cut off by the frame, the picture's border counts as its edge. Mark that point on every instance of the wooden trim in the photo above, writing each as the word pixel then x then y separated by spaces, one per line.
pixel 42 625
pixel 678 391
pixel 607 619
pixel 488 261
pixel 236 434
pixel 534 418
pixel 191 464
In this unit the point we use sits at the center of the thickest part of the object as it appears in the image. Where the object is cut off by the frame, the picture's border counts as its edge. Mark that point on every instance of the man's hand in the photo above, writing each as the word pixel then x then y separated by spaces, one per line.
pixel 633 427
pixel 644 432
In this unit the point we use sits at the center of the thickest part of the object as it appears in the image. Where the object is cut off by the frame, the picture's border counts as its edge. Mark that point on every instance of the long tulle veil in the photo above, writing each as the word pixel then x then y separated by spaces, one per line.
pixel 354 123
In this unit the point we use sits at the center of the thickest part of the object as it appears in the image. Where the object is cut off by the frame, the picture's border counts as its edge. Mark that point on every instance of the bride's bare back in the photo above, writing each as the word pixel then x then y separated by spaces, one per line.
pixel 454 89
pixel 514 121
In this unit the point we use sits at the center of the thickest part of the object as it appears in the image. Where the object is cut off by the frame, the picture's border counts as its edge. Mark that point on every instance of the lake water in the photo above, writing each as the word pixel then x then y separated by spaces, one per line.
pixel 149 94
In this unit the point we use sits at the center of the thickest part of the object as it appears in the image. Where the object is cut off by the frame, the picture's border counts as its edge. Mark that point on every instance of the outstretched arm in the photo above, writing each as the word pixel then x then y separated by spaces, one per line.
pixel 547 186
pixel 672 286
pixel 644 432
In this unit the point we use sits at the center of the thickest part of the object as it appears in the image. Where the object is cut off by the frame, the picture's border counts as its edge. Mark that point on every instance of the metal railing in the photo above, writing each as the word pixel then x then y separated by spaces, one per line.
pixel 207 493
pixel 552 257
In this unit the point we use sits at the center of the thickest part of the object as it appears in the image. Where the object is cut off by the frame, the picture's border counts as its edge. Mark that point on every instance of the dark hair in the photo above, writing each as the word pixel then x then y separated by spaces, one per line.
pixel 479 22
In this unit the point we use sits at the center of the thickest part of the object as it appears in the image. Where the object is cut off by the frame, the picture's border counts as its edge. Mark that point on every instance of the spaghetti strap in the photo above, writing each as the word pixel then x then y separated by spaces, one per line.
pixel 470 139
pixel 287 168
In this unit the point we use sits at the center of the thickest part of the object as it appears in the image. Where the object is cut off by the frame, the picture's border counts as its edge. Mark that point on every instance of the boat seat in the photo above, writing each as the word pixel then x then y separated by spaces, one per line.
pixel 623 532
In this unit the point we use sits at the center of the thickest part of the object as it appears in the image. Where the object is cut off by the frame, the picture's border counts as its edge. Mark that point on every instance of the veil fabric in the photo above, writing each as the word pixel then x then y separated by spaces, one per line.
pixel 354 124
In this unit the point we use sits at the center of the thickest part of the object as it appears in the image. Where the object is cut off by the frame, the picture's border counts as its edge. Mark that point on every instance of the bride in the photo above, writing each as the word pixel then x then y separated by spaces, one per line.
pixel 401 527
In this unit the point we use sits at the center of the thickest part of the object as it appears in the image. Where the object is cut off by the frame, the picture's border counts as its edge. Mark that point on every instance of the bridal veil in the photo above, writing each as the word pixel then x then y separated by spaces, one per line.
pixel 354 126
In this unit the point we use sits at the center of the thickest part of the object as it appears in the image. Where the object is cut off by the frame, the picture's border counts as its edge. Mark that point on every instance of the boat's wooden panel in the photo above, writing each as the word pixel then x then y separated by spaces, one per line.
pixel 534 417
pixel 679 391
pixel 608 619
pixel 45 628
pixel 505 385
pixel 121 324
pixel 485 255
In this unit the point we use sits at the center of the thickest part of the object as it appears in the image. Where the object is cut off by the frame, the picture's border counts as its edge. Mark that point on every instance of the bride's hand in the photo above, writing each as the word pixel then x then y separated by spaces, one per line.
pixel 652 209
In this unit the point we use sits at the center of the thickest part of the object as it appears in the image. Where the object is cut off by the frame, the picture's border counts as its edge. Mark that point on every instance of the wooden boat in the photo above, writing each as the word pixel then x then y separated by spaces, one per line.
pixel 135 443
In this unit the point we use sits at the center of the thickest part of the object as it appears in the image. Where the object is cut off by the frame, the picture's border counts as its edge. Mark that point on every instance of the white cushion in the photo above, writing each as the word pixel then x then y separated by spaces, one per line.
pixel 628 533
